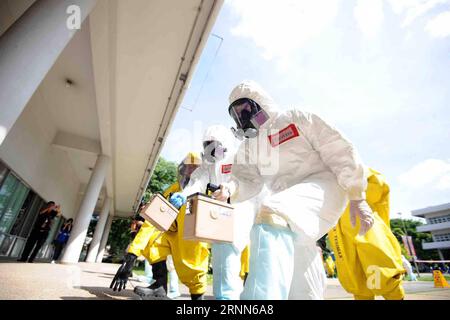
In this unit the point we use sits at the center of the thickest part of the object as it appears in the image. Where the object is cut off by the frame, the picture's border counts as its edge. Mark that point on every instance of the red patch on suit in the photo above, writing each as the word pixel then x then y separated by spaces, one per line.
pixel 284 135
pixel 226 168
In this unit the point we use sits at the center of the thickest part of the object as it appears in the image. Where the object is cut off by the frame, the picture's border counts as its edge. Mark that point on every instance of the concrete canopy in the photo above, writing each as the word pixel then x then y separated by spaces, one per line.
pixel 116 87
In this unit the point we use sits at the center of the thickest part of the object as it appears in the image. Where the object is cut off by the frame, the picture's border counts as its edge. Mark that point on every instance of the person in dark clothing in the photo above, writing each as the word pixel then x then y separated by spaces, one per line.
pixel 61 239
pixel 136 225
pixel 40 231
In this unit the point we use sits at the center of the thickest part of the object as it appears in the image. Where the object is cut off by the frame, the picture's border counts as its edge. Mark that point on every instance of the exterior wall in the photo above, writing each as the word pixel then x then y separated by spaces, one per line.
pixel 433 227
pixel 27 150
pixel 443 218
pixel 442 232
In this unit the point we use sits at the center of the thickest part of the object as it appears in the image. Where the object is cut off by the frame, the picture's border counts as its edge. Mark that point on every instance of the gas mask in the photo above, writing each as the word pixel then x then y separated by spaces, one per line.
pixel 213 151
pixel 248 116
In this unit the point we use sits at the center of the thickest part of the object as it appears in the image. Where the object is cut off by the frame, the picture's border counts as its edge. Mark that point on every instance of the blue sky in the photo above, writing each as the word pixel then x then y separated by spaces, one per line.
pixel 378 70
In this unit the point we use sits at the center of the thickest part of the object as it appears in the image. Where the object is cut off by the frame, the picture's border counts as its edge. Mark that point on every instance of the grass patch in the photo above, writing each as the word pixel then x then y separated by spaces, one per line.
pixel 428 278
pixel 138 272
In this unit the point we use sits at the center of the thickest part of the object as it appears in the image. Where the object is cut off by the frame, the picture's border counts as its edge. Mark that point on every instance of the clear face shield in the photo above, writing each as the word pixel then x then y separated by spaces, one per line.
pixel 213 151
pixel 248 116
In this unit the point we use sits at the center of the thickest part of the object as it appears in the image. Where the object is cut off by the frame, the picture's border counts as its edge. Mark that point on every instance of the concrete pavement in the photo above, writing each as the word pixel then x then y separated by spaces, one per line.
pixel 90 281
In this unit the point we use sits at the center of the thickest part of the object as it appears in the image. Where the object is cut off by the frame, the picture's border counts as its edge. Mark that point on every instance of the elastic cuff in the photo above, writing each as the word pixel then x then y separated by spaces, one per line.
pixel 397 294
pixel 136 252
pixel 201 290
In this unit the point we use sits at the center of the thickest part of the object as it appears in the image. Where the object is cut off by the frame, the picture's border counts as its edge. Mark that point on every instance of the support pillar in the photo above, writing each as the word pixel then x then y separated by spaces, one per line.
pixel 83 218
pixel 104 241
pixel 100 227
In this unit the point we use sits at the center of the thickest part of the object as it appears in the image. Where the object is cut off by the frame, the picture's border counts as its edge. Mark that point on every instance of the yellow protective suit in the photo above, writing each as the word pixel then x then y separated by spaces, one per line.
pixel 369 265
pixel 190 258
pixel 245 262
pixel 330 266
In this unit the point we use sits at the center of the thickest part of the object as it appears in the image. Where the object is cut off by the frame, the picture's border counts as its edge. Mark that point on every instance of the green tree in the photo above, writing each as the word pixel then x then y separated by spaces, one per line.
pixel 398 228
pixel 164 175
pixel 119 238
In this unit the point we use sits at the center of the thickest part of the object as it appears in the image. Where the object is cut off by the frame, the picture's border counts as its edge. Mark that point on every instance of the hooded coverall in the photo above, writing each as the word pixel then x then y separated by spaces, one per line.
pixel 189 257
pixel 312 172
pixel 369 265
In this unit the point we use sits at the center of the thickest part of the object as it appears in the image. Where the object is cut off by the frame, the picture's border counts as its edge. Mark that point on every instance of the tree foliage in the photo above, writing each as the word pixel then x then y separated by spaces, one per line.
pixel 398 228
pixel 119 238
pixel 164 175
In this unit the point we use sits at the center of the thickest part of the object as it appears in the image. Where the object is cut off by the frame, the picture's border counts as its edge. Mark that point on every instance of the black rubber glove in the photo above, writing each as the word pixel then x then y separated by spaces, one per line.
pixel 125 271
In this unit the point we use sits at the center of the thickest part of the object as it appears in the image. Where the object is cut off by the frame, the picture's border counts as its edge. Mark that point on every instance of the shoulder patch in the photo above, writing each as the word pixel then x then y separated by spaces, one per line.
pixel 284 135
pixel 226 168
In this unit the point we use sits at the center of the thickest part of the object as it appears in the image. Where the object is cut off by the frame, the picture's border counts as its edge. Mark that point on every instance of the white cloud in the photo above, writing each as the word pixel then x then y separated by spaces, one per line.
pixel 439 26
pixel 280 27
pixel 413 9
pixel 430 174
pixel 369 16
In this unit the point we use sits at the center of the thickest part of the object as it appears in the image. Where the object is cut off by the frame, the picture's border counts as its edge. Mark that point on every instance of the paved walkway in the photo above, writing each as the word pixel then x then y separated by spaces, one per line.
pixel 91 282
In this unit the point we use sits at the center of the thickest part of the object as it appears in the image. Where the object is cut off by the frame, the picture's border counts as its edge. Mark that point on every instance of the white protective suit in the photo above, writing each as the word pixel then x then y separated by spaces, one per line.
pixel 318 172
pixel 173 287
pixel 408 268
pixel 226 258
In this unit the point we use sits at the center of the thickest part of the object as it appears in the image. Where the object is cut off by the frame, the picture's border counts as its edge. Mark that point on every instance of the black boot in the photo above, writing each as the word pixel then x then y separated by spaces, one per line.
pixel 158 290
pixel 197 296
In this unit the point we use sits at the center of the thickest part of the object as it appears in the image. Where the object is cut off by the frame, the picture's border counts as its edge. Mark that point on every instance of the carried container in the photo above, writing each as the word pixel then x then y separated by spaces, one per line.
pixel 207 219
pixel 159 212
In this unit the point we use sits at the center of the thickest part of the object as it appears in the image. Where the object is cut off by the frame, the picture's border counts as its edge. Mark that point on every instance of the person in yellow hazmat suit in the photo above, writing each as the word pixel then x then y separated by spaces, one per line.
pixel 190 258
pixel 327 258
pixel 245 263
pixel 369 265
pixel 330 267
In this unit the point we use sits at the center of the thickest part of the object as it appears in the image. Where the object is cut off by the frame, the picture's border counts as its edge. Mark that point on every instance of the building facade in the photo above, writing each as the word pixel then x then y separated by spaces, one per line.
pixel 438 224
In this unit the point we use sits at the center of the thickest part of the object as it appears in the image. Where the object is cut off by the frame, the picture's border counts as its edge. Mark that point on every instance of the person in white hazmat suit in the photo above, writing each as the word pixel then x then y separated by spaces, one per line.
pixel 311 171
pixel 216 169
pixel 409 269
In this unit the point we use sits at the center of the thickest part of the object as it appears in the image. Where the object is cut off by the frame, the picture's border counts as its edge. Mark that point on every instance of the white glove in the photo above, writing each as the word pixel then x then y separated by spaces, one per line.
pixel 360 208
pixel 222 194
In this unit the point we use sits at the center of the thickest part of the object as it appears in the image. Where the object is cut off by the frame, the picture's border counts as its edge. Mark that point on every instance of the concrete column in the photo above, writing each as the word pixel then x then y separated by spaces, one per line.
pixel 99 228
pixel 83 218
pixel 104 241
pixel 28 50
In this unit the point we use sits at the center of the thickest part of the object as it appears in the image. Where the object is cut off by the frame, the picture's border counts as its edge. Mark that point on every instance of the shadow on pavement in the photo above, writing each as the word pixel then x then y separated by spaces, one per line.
pixel 104 293
pixel 96 272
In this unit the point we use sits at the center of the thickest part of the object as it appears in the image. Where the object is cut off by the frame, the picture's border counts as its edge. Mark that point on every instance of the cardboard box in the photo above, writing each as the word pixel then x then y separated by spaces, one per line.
pixel 159 212
pixel 208 220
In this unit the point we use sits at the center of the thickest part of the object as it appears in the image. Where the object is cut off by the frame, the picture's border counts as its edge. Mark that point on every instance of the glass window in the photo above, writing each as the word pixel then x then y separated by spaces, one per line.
pixel 12 196
pixel 439 219
pixel 37 205
pixel 5 244
pixel 18 246
pixel 3 172
pixel 27 215
pixel 442 237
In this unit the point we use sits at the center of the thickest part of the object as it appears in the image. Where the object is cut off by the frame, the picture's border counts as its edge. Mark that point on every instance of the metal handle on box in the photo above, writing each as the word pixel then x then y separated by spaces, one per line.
pixel 214 214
